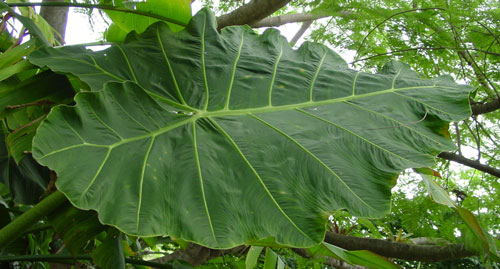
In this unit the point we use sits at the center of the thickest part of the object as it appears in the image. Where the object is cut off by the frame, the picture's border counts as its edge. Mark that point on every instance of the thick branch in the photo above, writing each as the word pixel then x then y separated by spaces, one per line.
pixel 427 253
pixel 478 109
pixel 288 18
pixel 329 261
pixel 470 163
pixel 252 12
pixel 198 255
pixel 57 17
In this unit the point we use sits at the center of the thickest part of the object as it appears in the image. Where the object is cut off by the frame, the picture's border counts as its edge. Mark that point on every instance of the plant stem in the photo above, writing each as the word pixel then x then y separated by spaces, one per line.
pixel 18 226
pixel 60 258
pixel 105 7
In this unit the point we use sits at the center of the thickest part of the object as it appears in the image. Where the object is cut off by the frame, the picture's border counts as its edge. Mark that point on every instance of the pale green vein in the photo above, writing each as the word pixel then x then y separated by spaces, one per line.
pixel 314 157
pixel 265 109
pixel 74 131
pixel 233 73
pixel 96 175
pixel 128 63
pixel 168 101
pixel 396 121
pixel 128 114
pixel 313 81
pixel 271 85
pixel 93 65
pixel 247 162
pixel 395 77
pixel 425 104
pixel 147 115
pixel 354 83
pixel 71 147
pixel 181 98
pixel 103 123
pixel 360 137
pixel 141 182
pixel 203 67
pixel 127 140
pixel 104 70
pixel 200 177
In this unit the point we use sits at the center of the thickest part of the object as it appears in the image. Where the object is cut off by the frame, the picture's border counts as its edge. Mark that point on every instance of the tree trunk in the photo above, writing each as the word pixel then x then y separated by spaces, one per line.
pixel 57 17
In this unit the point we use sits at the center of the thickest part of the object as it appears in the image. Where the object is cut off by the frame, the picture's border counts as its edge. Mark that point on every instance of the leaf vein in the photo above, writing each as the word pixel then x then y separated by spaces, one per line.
pixel 181 98
pixel 128 63
pixel 247 162
pixel 313 156
pixel 396 121
pixel 141 184
pixel 103 123
pixel 271 85
pixel 200 177
pixel 313 81
pixel 233 73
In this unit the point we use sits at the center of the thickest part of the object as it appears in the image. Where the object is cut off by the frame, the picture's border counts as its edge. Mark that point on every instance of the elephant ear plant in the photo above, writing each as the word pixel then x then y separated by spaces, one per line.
pixel 234 138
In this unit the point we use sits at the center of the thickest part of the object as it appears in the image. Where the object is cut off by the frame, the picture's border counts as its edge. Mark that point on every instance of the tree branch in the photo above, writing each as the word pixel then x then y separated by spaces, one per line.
pixel 329 261
pixel 288 18
pixel 300 32
pixel 478 109
pixel 252 12
pixel 470 163
pixel 427 253
pixel 198 255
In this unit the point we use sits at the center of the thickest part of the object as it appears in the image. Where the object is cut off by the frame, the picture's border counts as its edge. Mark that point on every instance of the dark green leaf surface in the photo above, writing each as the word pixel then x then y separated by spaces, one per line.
pixel 110 253
pixel 232 138
pixel 26 180
pixel 76 227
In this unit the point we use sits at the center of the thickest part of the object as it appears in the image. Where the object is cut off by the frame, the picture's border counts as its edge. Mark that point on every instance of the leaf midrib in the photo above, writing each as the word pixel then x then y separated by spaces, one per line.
pixel 267 109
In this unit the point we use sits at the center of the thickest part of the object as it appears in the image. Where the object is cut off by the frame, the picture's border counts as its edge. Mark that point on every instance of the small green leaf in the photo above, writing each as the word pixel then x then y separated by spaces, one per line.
pixel 252 257
pixel 33 28
pixel 16 54
pixel 357 257
pixel 436 192
pixel 271 259
pixel 110 253
pixel 474 226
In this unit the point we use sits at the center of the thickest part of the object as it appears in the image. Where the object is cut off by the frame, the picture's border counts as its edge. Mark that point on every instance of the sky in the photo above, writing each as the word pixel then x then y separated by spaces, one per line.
pixel 80 31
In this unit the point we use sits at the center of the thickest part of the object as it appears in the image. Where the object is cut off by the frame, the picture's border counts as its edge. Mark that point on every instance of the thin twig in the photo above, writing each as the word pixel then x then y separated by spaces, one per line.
pixel 388 18
pixel 37 103
pixel 29 124
pixel 457 131
pixel 423 48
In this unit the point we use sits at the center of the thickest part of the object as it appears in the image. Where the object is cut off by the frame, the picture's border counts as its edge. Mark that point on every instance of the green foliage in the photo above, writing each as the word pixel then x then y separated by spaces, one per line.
pixel 217 117
pixel 235 106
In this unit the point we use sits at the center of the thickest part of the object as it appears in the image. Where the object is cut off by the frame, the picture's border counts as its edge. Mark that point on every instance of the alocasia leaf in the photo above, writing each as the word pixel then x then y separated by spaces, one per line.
pixel 232 138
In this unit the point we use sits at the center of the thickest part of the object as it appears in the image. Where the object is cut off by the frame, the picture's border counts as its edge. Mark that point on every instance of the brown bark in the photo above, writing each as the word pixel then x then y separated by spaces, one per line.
pixel 252 12
pixel 197 255
pixel 408 252
pixel 478 109
pixel 470 163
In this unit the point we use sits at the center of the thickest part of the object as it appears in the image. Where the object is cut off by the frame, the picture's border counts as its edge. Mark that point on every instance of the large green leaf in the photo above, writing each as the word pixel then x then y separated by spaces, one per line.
pixel 232 138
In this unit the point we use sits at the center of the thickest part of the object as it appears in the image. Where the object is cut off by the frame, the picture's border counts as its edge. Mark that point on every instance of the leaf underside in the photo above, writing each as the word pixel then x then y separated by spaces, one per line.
pixel 232 138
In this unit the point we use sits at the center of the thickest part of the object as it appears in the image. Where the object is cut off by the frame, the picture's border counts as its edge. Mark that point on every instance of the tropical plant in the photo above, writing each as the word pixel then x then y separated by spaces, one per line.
pixel 194 135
